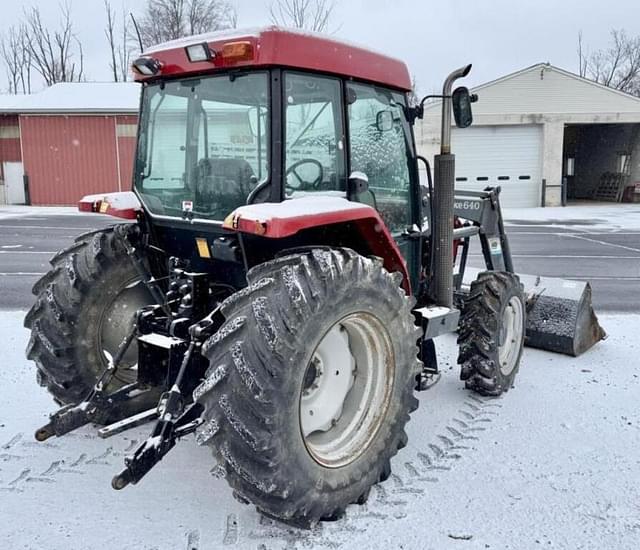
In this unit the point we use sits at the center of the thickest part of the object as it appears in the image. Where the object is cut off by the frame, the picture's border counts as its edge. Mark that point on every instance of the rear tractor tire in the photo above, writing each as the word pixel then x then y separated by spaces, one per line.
pixel 84 306
pixel 310 383
pixel 491 333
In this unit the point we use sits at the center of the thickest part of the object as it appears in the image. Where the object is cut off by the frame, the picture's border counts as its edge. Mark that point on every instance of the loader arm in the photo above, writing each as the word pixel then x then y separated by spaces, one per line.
pixel 560 316
pixel 483 209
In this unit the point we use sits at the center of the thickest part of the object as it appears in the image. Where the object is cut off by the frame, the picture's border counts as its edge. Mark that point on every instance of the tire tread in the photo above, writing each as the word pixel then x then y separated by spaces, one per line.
pixel 256 341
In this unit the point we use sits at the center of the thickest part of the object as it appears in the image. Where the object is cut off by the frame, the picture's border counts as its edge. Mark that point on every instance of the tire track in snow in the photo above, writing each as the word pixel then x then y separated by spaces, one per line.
pixel 390 499
pixel 193 540
pixel 231 530
pixel 20 449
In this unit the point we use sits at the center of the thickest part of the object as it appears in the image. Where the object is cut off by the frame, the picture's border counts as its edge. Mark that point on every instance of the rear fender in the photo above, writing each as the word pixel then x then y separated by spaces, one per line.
pixel 124 204
pixel 295 216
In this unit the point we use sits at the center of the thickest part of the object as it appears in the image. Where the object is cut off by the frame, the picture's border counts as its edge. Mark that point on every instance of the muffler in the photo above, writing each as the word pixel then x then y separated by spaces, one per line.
pixel 560 316
pixel 443 200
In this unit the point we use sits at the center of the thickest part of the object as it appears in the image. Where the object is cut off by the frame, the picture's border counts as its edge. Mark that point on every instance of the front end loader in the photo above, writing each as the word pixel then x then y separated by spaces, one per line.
pixel 280 273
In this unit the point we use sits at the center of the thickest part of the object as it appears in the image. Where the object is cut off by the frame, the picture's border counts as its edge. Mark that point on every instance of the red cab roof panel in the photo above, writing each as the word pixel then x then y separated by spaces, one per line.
pixel 276 46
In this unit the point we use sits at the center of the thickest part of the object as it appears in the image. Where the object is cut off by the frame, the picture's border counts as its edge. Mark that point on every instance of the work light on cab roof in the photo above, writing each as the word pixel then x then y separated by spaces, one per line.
pixel 146 66
pixel 199 52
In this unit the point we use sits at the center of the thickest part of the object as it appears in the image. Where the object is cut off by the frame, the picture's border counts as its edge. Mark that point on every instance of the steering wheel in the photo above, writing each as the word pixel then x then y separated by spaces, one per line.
pixel 292 170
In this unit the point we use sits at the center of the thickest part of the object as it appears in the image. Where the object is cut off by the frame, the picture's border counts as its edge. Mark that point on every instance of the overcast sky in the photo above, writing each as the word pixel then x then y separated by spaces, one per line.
pixel 497 36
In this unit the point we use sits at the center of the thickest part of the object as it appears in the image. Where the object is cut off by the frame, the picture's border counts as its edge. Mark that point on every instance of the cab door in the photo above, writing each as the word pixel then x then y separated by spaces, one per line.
pixel 381 146
pixel 314 151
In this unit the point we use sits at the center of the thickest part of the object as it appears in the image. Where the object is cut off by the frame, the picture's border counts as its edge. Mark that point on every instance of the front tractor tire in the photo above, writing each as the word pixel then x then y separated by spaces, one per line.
pixel 491 333
pixel 85 306
pixel 310 383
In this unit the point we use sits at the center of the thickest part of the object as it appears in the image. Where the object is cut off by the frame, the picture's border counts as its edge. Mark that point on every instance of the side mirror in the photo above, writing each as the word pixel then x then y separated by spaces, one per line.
pixel 462 101
pixel 384 121
pixel 357 183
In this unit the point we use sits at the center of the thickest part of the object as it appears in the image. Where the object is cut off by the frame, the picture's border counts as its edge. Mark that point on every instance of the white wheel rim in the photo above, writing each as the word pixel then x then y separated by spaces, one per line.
pixel 346 390
pixel 511 334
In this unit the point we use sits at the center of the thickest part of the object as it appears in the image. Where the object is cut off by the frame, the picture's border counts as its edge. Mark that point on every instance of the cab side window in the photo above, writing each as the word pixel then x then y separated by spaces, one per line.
pixel 379 148
pixel 314 135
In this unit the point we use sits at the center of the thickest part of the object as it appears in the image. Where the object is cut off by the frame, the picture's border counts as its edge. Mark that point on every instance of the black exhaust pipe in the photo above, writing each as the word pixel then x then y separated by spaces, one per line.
pixel 443 195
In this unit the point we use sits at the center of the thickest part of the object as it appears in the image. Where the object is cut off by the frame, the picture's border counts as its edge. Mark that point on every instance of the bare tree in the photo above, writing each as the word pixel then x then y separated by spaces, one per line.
pixel 17 58
pixel 125 48
pixel 110 32
pixel 27 62
pixel 312 15
pixel 12 55
pixel 119 44
pixel 582 57
pixel 617 66
pixel 414 97
pixel 165 20
pixel 56 55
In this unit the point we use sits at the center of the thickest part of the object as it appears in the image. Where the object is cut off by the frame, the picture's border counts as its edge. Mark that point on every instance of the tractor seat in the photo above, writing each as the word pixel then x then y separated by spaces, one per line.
pixel 236 172
pixel 224 182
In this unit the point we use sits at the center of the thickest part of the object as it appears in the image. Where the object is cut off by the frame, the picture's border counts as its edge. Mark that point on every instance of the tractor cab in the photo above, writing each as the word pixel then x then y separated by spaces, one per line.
pixel 244 120
pixel 206 144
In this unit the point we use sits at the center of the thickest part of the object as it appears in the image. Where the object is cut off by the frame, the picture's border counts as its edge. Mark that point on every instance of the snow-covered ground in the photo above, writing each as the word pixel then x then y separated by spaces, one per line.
pixel 18 211
pixel 553 464
pixel 587 216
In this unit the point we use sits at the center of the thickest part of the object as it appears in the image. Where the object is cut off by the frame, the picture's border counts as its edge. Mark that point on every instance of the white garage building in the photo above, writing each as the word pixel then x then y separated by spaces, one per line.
pixel 540 127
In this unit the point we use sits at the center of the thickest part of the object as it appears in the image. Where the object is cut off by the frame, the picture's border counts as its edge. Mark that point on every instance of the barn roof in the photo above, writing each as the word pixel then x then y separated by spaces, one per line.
pixel 76 98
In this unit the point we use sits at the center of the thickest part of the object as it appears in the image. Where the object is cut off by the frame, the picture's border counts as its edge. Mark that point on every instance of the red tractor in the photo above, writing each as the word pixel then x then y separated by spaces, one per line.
pixel 282 274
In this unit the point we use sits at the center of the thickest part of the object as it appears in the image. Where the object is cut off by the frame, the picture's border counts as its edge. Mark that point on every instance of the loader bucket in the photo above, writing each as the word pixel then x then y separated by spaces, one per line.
pixel 560 316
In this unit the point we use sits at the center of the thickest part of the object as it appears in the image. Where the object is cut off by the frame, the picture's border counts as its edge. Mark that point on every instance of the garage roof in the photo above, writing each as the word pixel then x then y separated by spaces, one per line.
pixel 546 89
pixel 76 98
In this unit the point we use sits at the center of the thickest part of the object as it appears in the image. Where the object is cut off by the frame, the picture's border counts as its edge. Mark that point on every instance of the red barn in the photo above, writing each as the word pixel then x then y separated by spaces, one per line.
pixel 69 140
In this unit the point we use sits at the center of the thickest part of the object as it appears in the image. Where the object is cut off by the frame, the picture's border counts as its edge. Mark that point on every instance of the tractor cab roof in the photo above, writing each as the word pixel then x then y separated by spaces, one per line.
pixel 274 46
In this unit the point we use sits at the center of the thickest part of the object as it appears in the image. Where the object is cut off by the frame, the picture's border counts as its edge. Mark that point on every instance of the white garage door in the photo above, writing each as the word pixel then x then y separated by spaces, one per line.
pixel 508 156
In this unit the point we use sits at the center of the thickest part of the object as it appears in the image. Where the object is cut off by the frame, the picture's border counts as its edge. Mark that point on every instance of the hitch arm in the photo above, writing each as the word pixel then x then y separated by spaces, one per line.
pixel 171 424
pixel 163 438
pixel 98 406
pixel 174 421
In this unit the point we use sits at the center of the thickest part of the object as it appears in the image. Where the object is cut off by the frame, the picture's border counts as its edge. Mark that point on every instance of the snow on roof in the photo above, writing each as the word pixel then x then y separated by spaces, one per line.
pixel 9 103
pixel 225 34
pixel 624 98
pixel 76 97
pixel 569 74
pixel 231 34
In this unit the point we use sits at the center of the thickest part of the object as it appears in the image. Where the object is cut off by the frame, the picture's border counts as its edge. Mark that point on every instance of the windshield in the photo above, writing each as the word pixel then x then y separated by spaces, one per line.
pixel 203 144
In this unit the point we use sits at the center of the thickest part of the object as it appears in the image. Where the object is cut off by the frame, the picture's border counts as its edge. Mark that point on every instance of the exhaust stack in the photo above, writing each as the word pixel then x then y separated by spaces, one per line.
pixel 443 195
